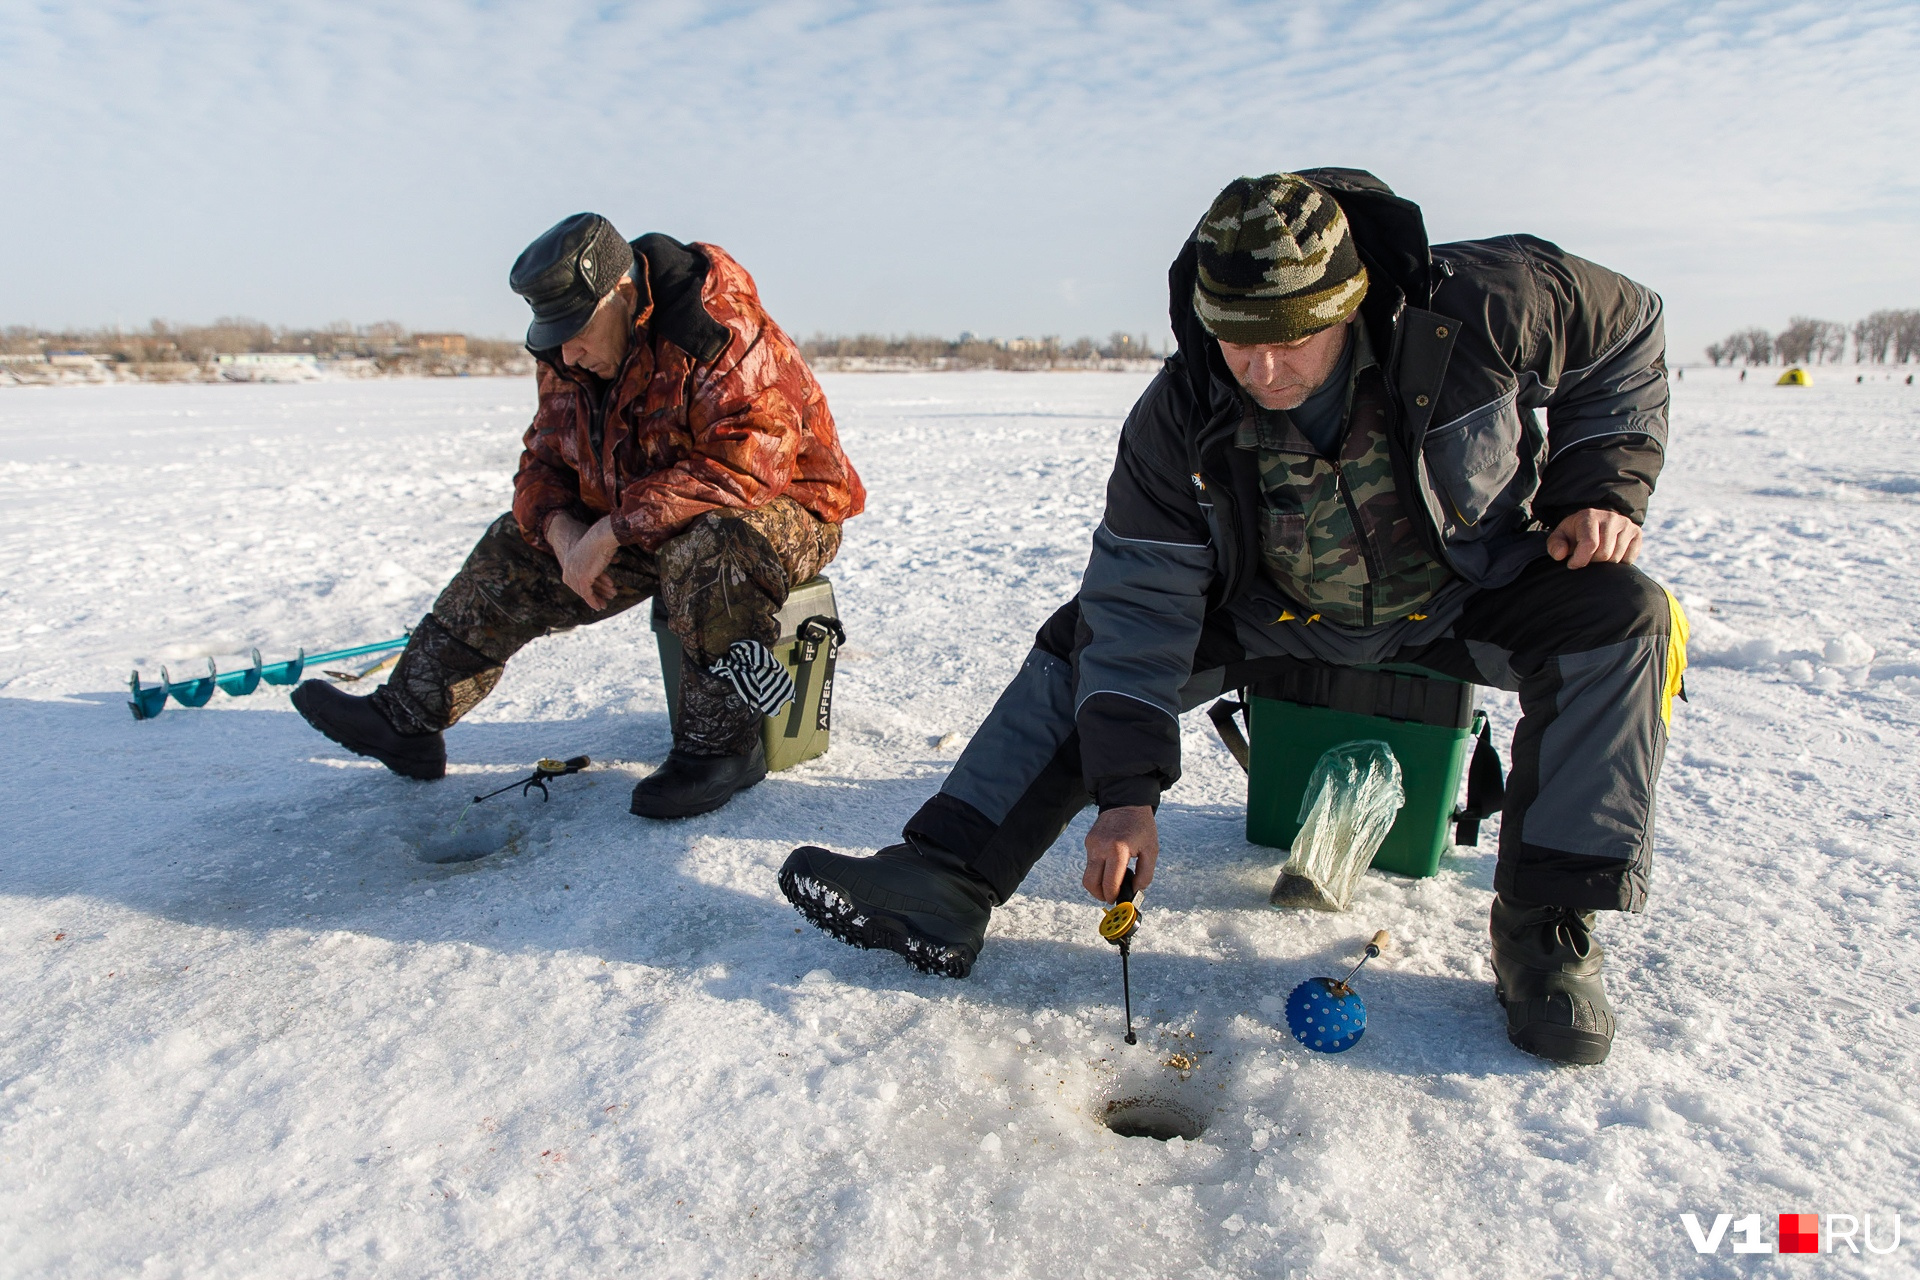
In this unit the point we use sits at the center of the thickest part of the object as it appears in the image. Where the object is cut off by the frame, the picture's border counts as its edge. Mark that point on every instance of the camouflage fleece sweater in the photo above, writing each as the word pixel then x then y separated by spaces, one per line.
pixel 1336 536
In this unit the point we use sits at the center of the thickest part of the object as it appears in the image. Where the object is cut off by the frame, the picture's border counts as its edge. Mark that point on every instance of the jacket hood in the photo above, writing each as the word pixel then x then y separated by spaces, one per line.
pixel 1391 237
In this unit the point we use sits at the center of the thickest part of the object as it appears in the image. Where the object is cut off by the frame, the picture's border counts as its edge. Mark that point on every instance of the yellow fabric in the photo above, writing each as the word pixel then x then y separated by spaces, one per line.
pixel 1794 378
pixel 1677 636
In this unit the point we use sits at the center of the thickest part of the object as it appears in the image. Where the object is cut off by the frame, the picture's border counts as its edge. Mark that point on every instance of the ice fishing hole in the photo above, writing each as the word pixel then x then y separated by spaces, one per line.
pixel 1156 1118
pixel 469 839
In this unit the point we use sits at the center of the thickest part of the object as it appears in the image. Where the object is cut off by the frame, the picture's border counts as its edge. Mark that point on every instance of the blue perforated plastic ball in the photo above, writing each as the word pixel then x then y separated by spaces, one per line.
pixel 1324 1019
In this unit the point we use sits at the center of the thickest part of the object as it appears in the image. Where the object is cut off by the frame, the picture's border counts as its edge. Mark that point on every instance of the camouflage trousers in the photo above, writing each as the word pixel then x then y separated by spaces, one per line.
pixel 721 579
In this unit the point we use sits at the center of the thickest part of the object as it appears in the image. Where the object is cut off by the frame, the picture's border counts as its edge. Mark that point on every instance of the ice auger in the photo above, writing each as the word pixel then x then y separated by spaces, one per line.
pixel 149 700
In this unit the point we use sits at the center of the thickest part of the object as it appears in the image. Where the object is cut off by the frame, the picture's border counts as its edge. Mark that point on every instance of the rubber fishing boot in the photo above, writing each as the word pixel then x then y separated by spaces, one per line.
pixel 686 785
pixel 1546 970
pixel 717 752
pixel 361 727
pixel 915 899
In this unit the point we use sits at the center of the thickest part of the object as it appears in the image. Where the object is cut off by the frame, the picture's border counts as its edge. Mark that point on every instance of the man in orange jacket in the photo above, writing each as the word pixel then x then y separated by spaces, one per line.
pixel 681 447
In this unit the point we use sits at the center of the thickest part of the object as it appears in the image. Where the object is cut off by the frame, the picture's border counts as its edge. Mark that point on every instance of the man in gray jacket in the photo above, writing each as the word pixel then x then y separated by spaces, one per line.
pixel 1344 467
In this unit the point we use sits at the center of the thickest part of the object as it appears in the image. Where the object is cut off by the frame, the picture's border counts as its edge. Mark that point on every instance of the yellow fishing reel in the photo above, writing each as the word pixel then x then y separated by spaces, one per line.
pixel 1123 917
pixel 1118 924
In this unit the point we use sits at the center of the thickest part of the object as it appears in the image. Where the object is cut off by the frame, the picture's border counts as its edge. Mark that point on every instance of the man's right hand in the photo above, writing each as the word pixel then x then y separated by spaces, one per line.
pixel 584 555
pixel 1122 835
pixel 1593 536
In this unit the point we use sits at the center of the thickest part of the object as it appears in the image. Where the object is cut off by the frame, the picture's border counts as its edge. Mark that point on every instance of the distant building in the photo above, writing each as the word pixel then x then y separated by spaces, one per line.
pixel 447 344
pixel 270 360
pixel 268 366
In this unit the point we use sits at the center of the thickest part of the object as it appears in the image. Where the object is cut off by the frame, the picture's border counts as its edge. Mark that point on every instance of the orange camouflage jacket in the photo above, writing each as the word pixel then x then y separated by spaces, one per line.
pixel 675 434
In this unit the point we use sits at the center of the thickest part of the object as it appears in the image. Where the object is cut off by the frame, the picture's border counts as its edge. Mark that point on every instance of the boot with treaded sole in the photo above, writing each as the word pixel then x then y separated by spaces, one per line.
pixel 914 899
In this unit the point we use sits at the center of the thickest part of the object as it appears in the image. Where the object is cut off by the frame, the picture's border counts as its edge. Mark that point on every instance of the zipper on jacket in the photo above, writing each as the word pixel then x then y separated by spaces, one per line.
pixel 596 405
pixel 597 413
pixel 1366 543
pixel 1225 523
pixel 1226 520
pixel 597 422
pixel 1429 527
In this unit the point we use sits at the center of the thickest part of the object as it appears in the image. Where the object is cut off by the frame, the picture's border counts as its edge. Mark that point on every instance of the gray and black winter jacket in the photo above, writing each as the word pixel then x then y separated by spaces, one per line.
pixel 1479 336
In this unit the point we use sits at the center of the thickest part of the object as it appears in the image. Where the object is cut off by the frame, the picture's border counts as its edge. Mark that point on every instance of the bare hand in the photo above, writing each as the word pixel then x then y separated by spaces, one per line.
pixel 1119 836
pixel 584 555
pixel 1594 537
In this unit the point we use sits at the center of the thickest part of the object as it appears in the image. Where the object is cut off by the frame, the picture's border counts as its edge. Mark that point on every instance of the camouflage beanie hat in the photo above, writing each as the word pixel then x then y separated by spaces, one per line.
pixel 1277 262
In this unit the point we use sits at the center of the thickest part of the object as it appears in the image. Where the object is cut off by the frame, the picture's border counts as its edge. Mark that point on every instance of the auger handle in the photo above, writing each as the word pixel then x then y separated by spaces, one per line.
pixel 1375 945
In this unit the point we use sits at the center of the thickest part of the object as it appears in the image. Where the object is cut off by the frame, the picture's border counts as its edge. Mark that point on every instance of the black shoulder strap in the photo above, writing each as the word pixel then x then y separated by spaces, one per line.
pixel 816 634
pixel 1222 713
pixel 1486 787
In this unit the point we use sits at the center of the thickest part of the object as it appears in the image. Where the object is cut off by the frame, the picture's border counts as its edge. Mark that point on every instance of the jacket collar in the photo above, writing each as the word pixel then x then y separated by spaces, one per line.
pixel 674 278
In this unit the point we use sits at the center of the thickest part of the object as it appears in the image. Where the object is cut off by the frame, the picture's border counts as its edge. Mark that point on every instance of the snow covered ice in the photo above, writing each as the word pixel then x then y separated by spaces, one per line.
pixel 249 1031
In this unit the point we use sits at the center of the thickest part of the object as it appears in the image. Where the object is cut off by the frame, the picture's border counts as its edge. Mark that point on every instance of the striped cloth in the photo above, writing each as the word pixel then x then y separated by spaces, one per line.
pixel 759 678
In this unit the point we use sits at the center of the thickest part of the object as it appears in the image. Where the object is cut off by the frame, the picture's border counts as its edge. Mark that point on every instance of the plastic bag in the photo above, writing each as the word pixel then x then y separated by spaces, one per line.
pixel 1349 806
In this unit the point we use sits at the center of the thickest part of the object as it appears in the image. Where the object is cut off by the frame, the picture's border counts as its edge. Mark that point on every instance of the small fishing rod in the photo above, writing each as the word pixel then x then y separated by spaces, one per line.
pixel 1118 926
pixel 544 771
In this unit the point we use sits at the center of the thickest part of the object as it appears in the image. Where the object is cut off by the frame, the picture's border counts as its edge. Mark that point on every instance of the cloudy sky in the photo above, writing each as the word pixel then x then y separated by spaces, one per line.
pixel 1011 168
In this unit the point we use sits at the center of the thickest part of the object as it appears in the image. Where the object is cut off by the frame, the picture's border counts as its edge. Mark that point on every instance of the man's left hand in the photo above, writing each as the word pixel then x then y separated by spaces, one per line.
pixel 1593 536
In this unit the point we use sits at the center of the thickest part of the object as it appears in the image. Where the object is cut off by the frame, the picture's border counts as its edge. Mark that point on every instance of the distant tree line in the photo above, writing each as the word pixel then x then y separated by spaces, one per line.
pixel 166 350
pixel 1885 337
pixel 969 351
pixel 165 343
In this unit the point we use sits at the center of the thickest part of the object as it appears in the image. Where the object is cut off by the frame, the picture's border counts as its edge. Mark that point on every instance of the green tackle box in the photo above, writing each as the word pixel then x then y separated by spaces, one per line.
pixel 810 639
pixel 1295 714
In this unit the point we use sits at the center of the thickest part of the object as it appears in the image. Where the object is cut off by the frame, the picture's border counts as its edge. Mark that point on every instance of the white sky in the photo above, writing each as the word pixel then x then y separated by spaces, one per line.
pixel 1011 168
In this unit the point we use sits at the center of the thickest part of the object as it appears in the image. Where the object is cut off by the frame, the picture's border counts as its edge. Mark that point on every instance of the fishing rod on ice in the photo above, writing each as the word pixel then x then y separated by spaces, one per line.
pixel 544 771
pixel 1118 926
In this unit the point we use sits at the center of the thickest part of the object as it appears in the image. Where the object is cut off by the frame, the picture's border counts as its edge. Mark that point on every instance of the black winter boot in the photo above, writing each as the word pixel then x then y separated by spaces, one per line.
pixel 686 785
pixel 1546 970
pixel 915 899
pixel 359 725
